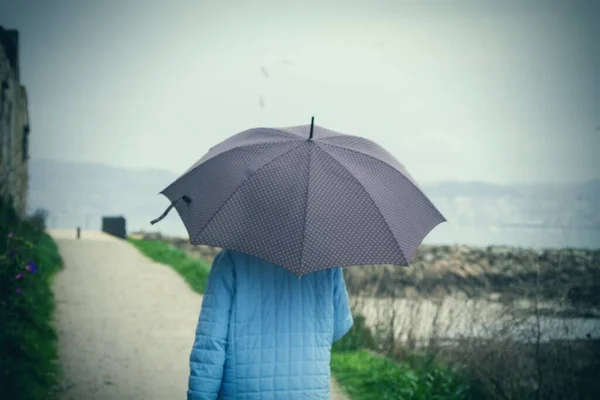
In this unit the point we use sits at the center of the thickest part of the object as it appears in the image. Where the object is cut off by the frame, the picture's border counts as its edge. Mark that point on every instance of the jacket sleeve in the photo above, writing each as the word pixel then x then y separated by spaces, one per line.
pixel 208 353
pixel 343 320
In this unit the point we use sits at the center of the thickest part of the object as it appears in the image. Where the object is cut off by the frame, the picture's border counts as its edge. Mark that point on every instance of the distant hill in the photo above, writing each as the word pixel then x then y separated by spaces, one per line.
pixel 468 189
pixel 588 191
pixel 78 194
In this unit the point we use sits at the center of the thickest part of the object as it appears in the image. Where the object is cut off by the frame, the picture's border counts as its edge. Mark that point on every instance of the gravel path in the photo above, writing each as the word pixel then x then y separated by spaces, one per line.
pixel 125 323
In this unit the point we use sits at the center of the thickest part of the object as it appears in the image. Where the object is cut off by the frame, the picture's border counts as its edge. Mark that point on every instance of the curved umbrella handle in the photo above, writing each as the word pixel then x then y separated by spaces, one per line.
pixel 184 198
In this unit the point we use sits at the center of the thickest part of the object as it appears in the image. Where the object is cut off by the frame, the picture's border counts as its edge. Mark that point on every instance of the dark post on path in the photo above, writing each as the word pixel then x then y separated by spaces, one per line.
pixel 78 232
pixel 114 226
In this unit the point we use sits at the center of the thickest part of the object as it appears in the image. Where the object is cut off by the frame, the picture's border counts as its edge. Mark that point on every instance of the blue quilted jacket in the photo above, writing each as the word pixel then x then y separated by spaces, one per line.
pixel 265 334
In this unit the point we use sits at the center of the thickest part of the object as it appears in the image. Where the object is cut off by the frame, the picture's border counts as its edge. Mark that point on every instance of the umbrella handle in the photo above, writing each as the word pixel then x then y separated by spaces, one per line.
pixel 184 198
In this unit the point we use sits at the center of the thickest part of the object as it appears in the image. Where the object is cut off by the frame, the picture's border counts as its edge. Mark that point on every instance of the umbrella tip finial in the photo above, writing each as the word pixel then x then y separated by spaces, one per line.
pixel 312 124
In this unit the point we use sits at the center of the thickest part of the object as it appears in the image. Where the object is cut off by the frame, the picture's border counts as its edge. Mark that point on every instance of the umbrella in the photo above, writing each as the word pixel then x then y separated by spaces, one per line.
pixel 305 198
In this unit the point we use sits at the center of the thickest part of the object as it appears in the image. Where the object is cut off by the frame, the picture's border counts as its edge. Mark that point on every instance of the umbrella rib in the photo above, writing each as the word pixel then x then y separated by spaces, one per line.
pixel 291 137
pixel 370 198
pixel 409 179
pixel 197 164
pixel 242 184
pixel 306 205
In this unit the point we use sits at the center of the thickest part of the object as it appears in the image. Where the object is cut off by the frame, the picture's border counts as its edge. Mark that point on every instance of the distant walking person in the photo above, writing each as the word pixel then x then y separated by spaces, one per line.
pixel 78 232
pixel 264 333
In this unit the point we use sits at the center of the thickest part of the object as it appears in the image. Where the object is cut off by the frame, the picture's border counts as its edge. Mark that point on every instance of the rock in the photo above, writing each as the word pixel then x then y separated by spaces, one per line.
pixel 460 295
pixel 439 292
pixel 494 296
pixel 525 304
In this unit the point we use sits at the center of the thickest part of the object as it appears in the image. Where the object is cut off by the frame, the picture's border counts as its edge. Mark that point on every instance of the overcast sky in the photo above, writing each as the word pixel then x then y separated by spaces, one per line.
pixel 497 93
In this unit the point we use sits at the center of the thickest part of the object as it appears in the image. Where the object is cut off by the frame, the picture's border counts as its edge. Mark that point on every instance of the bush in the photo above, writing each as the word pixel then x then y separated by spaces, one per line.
pixel 39 218
pixel 550 370
pixel 29 258
pixel 365 374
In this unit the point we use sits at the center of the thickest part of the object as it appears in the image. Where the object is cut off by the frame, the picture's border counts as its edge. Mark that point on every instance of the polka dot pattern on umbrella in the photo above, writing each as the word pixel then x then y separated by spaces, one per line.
pixel 305 205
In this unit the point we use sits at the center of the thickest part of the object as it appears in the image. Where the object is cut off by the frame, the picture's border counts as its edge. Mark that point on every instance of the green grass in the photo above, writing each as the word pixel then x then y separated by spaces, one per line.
pixel 363 376
pixel 28 351
pixel 366 376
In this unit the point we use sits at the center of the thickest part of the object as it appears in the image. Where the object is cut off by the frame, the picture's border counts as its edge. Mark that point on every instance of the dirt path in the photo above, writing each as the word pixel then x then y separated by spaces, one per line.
pixel 125 323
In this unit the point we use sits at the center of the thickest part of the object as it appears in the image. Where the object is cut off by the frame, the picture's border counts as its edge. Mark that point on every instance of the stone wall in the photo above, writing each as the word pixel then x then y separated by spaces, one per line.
pixel 14 124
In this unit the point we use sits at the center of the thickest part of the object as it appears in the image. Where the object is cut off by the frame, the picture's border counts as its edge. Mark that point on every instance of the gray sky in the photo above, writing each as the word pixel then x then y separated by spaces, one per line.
pixel 498 93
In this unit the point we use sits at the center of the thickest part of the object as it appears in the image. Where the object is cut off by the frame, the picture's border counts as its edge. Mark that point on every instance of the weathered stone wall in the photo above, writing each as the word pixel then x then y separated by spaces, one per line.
pixel 14 124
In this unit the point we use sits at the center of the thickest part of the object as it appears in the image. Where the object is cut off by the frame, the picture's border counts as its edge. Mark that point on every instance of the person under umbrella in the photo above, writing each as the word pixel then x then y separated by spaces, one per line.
pixel 289 207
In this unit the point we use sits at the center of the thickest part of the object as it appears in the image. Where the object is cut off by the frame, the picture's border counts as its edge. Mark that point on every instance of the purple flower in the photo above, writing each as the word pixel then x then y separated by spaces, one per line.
pixel 19 291
pixel 20 275
pixel 11 235
pixel 30 267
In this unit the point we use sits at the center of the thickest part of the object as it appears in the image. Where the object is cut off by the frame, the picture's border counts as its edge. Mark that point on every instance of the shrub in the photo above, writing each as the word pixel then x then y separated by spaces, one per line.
pixel 38 219
pixel 29 258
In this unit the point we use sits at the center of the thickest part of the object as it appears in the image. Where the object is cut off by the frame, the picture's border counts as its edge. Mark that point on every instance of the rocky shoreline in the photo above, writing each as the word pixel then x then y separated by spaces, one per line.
pixel 571 276
pixel 567 276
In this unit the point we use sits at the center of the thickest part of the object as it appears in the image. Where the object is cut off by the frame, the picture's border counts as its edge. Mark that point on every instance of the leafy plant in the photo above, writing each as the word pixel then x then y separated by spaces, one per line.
pixel 38 219
pixel 28 260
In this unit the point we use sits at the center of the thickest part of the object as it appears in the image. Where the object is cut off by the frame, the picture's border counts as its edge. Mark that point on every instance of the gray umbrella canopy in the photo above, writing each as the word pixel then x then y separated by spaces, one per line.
pixel 304 198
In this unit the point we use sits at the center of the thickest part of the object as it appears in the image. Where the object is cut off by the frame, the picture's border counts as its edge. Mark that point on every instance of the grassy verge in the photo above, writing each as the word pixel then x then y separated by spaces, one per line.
pixel 29 259
pixel 194 271
pixel 366 376
pixel 363 375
